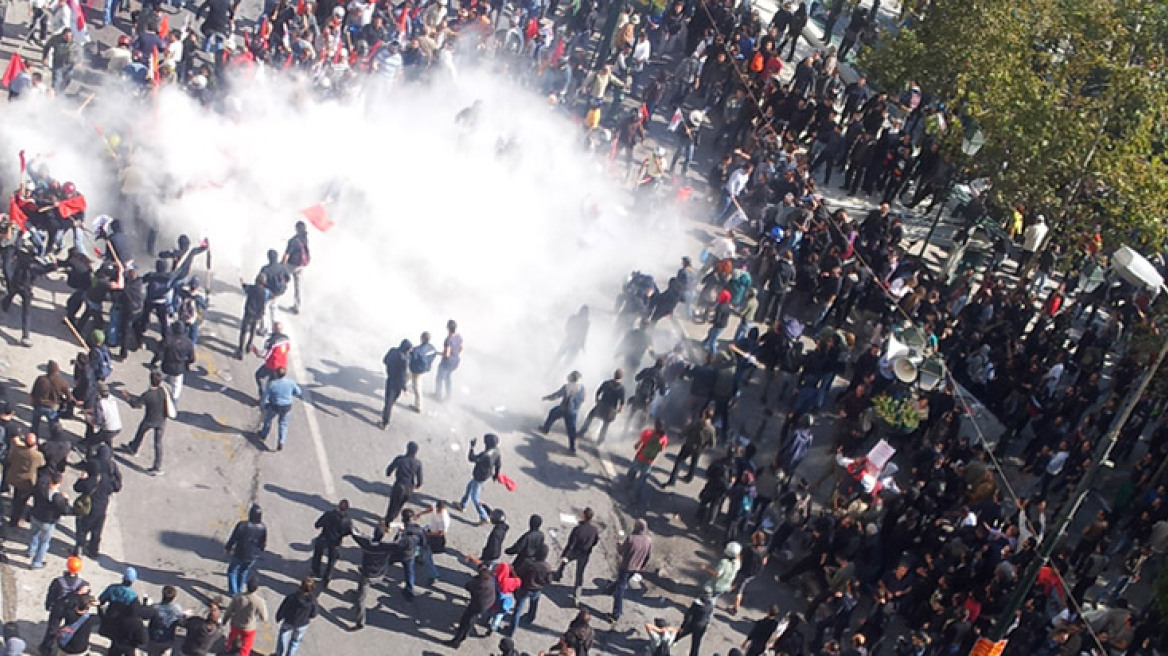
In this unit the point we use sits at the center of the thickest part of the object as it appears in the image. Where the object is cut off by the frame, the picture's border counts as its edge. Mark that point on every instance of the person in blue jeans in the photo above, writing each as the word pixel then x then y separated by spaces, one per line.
pixel 487 464
pixel 294 614
pixel 535 574
pixel 409 542
pixel 47 508
pixel 571 397
pixel 247 543
pixel 634 555
pixel 277 404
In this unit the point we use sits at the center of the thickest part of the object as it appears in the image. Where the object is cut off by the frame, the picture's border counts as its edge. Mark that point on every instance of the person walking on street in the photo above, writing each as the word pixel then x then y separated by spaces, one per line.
pixel 248 541
pixel 48 506
pixel 487 465
pixel 375 555
pixel 696 437
pixel 60 597
pixel 334 526
pixel 610 400
pixel 397 368
pixel 408 545
pixel 407 472
pixel 255 300
pixel 634 554
pixel 176 354
pixel 49 393
pixel 653 441
pixel 275 356
pixel 535 573
pixel 482 596
pixel 451 358
pixel 571 397
pixel 244 614
pixel 581 541
pixel 296 258
pixel 421 361
pixel 157 405
pixel 278 276
pixel 99 481
pixel 695 623
pixel 24 460
pixel 293 615
pixel 277 404
pixel 436 532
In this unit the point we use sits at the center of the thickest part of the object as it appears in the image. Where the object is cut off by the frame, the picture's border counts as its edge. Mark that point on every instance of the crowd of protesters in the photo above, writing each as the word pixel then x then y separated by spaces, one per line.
pixel 920 556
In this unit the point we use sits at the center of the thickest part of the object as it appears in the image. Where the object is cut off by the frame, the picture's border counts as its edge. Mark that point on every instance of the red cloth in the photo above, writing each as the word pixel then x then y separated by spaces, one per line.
pixel 318 217
pixel 71 206
pixel 277 357
pixel 15 67
pixel 508 482
pixel 16 212
pixel 164 26
pixel 505 581
pixel 246 640
pixel 649 436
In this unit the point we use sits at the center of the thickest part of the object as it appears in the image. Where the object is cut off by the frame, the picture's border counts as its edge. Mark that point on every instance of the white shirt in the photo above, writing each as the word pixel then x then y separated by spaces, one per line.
pixel 439 521
pixel 1033 237
pixel 112 418
pixel 737 181
pixel 722 248
pixel 1056 464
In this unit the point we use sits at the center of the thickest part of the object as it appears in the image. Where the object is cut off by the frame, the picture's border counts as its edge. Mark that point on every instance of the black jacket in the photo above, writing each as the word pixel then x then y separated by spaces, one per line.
pixel 482 593
pixel 493 549
pixel 407 472
pixel 535 574
pixel 49 507
pixel 581 541
pixel 248 540
pixel 297 609
pixel 374 556
pixel 525 547
pixel 334 527
pixel 486 464
pixel 397 366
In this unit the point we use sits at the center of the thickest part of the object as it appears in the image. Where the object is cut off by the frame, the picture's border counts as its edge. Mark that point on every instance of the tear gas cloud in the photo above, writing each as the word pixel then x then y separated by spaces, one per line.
pixel 431 223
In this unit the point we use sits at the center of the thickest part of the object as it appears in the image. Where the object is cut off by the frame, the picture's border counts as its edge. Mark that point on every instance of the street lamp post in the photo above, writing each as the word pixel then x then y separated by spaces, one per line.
pixel 971 143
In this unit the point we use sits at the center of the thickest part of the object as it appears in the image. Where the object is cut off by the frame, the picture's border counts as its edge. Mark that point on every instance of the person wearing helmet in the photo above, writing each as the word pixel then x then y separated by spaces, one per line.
pixel 63 591
pixel 487 465
pixel 296 257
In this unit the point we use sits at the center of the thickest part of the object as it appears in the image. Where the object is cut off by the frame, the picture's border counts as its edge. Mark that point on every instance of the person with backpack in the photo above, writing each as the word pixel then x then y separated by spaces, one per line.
pixel 255 299
pixel 293 615
pixel 397 369
pixel 571 397
pixel 278 276
pixel 487 465
pixel 296 258
pixel 162 620
pixel 246 544
pixel 61 597
pixel 652 442
pixel 100 480
pixel 421 360
pixel 176 354
pixel 610 400
pixel 79 623
pixel 101 363
pixel 192 303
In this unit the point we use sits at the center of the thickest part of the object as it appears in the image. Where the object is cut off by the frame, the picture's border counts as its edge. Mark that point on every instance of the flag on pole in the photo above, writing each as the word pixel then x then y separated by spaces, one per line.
pixel 78 16
pixel 318 217
pixel 16 213
pixel 15 67
pixel 71 206
pixel 676 120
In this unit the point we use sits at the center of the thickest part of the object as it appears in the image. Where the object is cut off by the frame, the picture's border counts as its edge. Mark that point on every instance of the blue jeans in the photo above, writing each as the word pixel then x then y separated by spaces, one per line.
pixel 42 413
pixel 638 478
pixel 263 376
pixel 39 539
pixel 525 599
pixel 288 641
pixel 710 343
pixel 619 586
pixel 427 557
pixel 113 330
pixel 238 572
pixel 281 413
pixel 110 7
pixel 473 494
pixel 569 417
pixel 442 386
pixel 408 568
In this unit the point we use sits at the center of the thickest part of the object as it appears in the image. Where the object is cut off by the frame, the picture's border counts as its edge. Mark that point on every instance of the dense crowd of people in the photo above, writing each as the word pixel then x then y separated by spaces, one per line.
pixel 918 554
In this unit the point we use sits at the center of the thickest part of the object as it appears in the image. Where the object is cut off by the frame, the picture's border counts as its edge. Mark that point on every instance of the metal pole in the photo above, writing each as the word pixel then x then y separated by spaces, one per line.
pixel 1006 619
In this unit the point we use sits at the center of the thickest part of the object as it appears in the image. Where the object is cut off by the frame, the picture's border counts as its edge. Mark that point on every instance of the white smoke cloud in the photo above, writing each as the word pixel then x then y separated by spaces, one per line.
pixel 431 223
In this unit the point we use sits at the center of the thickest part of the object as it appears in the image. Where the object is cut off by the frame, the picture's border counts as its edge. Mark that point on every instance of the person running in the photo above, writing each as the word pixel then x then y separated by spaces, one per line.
pixel 610 400
pixel 254 302
pixel 407 472
pixel 157 404
pixel 278 276
pixel 243 616
pixel 375 555
pixel 293 615
pixel 634 555
pixel 334 526
pixel 397 367
pixel 451 358
pixel 581 541
pixel 653 441
pixel 277 404
pixel 275 357
pixel 571 397
pixel 487 465
pixel 481 589
pixel 246 544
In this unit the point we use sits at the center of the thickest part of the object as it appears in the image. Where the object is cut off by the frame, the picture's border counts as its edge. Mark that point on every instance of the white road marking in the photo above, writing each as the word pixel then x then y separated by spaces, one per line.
pixel 326 472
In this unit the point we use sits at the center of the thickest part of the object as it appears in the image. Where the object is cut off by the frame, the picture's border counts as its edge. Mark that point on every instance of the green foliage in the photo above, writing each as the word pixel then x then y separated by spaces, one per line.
pixel 1072 96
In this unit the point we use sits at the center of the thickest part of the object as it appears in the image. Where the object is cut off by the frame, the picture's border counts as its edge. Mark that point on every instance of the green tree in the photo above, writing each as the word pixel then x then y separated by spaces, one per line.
pixel 1070 94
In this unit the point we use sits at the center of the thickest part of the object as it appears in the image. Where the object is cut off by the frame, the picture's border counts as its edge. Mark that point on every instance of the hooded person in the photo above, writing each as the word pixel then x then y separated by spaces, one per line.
pixel 397 370
pixel 634 555
pixel 375 557
pixel 100 480
pixel 506 584
pixel 407 472
pixel 247 543
pixel 528 544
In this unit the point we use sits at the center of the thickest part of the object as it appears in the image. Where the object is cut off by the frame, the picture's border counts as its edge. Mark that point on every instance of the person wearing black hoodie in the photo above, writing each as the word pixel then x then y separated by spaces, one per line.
pixel 247 543
pixel 397 368
pixel 128 633
pixel 100 480
pixel 535 574
pixel 528 544
pixel 407 472
pixel 482 597
pixel 492 551
pixel 375 556
pixel 294 614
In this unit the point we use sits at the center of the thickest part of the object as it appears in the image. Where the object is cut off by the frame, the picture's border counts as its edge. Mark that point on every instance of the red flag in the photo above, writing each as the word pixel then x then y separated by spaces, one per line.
pixel 16 213
pixel 15 67
pixel 403 20
pixel 318 217
pixel 164 26
pixel 71 206
pixel 78 15
pixel 300 7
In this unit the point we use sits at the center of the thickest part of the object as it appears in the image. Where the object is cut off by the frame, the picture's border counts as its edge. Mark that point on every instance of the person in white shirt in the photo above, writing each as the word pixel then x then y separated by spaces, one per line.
pixel 735 185
pixel 105 422
pixel 1032 240
pixel 436 531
